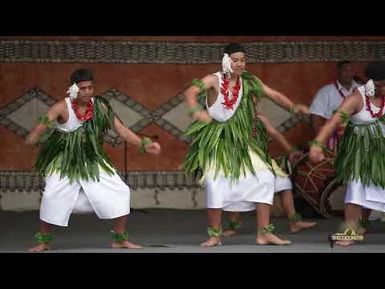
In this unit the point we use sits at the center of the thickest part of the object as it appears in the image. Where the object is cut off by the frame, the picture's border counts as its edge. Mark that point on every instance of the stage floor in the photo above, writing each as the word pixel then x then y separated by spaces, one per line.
pixel 174 231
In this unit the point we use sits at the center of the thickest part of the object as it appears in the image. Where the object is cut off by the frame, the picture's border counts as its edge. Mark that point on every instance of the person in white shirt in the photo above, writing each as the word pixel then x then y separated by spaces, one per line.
pixel 330 97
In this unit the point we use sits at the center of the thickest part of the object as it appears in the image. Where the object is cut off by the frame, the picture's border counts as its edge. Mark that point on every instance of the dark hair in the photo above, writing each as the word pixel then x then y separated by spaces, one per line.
pixel 234 47
pixel 80 75
pixel 376 70
pixel 340 64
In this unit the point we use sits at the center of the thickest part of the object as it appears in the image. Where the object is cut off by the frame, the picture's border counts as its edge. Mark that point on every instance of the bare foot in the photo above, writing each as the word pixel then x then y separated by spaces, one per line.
pixel 125 244
pixel 39 248
pixel 229 233
pixel 345 243
pixel 212 242
pixel 269 238
pixel 298 226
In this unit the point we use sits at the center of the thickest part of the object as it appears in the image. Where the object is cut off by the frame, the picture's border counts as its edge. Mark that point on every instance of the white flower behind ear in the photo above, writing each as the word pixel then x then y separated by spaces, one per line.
pixel 226 64
pixel 370 88
pixel 73 91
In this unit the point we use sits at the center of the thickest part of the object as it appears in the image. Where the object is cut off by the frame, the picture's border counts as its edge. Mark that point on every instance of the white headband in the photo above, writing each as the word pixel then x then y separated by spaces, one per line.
pixel 73 91
pixel 226 64
pixel 370 88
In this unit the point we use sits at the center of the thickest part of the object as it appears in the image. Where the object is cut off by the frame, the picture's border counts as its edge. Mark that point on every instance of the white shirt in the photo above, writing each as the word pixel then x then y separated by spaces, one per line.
pixel 217 110
pixel 364 116
pixel 329 98
pixel 73 123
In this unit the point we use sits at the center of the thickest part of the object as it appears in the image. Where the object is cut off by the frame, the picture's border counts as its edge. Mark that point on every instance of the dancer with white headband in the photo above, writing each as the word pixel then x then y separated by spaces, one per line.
pixel 78 173
pixel 360 160
pixel 229 143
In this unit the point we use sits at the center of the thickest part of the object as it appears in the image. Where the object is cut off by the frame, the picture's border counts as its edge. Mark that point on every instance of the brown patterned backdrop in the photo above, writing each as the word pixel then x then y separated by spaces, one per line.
pixel 143 78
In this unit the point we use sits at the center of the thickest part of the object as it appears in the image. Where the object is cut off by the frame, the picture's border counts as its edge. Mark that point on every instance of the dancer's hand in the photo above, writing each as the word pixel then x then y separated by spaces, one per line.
pixel 153 148
pixel 316 154
pixel 203 116
pixel 301 109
